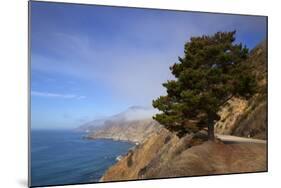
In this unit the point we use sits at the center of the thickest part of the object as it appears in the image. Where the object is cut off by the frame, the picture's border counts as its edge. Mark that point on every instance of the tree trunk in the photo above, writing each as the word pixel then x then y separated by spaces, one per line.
pixel 211 131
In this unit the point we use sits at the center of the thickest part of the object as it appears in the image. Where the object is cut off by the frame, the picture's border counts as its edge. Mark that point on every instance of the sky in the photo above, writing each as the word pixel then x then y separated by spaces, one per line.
pixel 90 62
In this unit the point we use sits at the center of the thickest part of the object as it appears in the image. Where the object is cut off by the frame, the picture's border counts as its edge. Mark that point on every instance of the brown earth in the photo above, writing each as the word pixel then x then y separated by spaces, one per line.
pixel 164 155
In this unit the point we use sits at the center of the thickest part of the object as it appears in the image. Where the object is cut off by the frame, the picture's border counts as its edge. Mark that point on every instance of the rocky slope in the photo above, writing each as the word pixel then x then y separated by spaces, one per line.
pixel 248 118
pixel 162 154
pixel 165 155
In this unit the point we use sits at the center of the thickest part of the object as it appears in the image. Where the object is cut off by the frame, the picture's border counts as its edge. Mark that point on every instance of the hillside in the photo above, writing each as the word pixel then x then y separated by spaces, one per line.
pixel 248 118
pixel 245 118
pixel 134 124
pixel 133 113
pixel 163 154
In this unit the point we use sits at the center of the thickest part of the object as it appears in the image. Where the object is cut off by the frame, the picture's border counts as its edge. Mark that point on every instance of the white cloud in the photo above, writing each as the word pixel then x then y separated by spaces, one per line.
pixel 56 95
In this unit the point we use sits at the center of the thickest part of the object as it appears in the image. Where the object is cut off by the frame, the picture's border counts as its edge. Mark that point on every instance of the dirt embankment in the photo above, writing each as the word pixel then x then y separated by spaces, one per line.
pixel 164 155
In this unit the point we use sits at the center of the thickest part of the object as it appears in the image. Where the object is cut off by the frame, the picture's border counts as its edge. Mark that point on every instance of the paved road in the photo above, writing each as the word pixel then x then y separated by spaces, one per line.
pixel 236 139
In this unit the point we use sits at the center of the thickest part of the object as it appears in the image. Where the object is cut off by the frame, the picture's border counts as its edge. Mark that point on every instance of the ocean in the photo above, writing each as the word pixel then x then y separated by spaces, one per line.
pixel 64 157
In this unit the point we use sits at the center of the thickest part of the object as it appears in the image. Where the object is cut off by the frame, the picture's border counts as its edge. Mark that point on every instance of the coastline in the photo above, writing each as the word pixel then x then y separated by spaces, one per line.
pixel 119 158
pixel 87 137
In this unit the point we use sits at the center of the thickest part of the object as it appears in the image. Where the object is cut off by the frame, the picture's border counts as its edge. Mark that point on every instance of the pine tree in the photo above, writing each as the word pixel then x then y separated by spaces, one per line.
pixel 212 71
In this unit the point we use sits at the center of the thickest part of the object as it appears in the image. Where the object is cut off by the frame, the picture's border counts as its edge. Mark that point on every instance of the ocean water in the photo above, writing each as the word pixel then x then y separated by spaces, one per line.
pixel 64 157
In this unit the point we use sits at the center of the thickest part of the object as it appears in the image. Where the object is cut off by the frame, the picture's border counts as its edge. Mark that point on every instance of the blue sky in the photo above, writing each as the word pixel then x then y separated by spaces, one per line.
pixel 89 62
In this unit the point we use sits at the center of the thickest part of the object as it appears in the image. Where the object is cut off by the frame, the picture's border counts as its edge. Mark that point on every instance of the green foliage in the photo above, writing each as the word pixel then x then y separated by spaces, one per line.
pixel 212 70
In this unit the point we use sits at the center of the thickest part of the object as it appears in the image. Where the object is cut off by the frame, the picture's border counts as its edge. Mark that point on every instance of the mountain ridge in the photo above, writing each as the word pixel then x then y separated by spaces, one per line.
pixel 130 114
pixel 132 131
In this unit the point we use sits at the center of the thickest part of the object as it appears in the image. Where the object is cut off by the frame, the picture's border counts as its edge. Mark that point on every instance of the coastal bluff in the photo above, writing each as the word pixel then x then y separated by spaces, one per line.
pixel 165 155
pixel 241 145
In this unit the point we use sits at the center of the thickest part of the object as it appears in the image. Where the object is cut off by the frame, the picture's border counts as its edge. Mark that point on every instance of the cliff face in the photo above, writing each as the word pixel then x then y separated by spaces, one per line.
pixel 134 131
pixel 248 118
pixel 244 118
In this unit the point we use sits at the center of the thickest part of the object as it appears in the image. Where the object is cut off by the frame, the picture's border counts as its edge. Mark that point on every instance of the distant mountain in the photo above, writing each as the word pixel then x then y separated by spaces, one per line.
pixel 133 113
pixel 133 130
